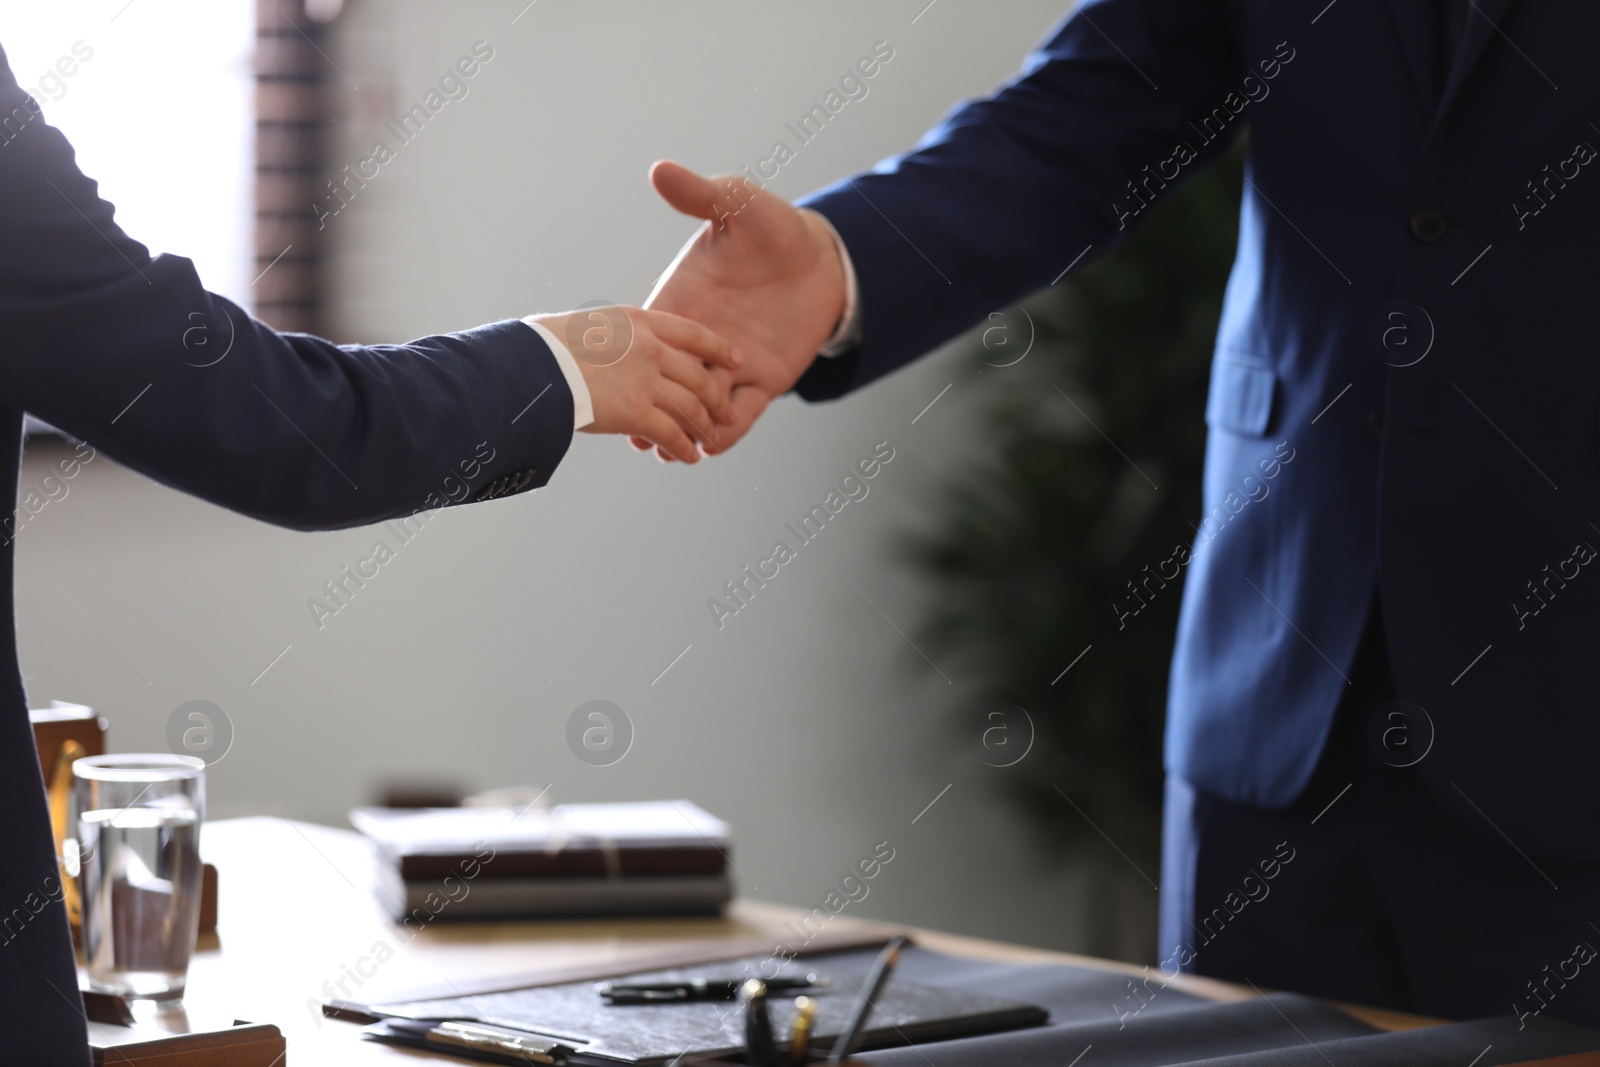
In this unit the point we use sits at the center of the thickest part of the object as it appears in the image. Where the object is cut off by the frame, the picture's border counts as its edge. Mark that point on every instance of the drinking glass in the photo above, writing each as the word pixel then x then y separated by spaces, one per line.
pixel 135 852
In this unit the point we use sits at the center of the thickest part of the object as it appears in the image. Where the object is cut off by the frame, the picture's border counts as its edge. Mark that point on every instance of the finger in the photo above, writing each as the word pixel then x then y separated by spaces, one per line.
pixel 703 343
pixel 644 444
pixel 669 436
pixel 692 194
pixel 744 408
pixel 682 369
pixel 729 380
pixel 685 409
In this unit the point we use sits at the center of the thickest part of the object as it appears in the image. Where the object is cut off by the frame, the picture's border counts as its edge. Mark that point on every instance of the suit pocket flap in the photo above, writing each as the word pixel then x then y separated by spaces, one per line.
pixel 1240 398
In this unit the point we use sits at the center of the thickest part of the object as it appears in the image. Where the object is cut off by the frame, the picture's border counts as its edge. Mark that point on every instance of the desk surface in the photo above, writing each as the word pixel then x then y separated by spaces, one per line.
pixel 297 920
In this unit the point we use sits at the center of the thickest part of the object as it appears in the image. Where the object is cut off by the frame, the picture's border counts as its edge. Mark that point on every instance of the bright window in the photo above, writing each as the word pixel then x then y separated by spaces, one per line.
pixel 157 98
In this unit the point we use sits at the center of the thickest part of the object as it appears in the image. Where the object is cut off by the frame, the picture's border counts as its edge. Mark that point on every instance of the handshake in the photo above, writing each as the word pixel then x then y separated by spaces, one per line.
pixel 734 322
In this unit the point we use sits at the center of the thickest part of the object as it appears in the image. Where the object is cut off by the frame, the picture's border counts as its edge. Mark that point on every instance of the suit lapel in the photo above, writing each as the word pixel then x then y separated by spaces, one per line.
pixel 1417 25
pixel 1483 26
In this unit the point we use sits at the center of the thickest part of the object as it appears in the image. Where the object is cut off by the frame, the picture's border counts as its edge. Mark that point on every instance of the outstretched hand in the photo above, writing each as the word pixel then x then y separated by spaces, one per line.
pixel 761 273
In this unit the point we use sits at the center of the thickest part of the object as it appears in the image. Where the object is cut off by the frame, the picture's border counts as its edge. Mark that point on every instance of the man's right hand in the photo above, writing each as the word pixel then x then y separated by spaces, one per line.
pixel 762 273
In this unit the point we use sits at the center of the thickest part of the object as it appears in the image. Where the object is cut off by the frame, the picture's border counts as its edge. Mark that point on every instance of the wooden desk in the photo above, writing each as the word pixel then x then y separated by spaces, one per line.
pixel 297 918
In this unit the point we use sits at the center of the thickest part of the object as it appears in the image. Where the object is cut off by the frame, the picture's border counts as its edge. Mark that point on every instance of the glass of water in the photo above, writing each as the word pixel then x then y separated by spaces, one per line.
pixel 135 852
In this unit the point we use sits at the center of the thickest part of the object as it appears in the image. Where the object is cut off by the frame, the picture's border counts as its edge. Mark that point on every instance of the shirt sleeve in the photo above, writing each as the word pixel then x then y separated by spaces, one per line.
pixel 582 402
pixel 847 334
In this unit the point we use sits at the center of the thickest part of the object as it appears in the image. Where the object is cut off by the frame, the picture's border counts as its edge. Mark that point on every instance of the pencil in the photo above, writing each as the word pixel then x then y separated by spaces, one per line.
pixel 877 978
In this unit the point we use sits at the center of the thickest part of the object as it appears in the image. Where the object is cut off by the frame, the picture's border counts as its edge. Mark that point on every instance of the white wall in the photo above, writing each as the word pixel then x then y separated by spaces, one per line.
pixel 808 721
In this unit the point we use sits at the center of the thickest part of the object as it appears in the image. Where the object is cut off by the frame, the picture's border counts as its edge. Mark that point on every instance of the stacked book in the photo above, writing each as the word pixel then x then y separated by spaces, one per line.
pixel 570 860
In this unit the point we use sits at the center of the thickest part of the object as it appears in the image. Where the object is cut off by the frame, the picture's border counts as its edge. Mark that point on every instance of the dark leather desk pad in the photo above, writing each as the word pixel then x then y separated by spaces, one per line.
pixel 1112 1020
pixel 909 1011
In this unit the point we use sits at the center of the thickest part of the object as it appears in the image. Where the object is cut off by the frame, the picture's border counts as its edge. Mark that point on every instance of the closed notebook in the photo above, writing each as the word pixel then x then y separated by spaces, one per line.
pixel 646 839
pixel 550 898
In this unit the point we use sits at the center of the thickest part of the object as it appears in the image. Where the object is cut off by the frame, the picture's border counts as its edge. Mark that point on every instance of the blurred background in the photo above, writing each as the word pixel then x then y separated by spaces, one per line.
pixel 942 669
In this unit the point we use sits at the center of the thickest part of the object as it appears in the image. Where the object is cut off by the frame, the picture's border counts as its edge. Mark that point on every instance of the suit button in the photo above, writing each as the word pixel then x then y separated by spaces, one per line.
pixel 1429 224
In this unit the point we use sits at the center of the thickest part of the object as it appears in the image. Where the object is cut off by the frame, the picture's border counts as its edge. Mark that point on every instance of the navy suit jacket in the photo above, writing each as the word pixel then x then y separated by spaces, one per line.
pixel 1407 319
pixel 133 355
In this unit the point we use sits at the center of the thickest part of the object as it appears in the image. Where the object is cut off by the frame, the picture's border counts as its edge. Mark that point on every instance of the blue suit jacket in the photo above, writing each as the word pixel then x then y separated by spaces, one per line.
pixel 133 355
pixel 1407 317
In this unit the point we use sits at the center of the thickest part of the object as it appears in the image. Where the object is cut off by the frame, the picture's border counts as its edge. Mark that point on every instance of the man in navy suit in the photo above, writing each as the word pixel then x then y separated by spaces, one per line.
pixel 112 346
pixel 1382 723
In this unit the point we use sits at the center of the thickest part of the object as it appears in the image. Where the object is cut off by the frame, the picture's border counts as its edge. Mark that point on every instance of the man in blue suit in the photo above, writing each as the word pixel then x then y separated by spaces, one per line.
pixel 133 355
pixel 1381 723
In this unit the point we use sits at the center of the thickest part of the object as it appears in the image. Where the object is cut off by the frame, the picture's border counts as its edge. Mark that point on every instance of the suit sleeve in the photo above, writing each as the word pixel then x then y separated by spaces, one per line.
pixel 133 355
pixel 1007 192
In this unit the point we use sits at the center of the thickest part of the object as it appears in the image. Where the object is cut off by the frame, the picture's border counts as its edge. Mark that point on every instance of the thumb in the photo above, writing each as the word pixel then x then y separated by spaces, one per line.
pixel 745 406
pixel 702 198
pixel 685 190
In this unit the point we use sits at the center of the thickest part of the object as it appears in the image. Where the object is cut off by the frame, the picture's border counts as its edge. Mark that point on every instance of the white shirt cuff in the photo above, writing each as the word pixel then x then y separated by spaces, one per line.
pixel 582 404
pixel 848 333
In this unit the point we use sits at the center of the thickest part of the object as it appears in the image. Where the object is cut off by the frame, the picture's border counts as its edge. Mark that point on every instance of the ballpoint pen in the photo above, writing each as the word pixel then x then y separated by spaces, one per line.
pixel 757 1024
pixel 877 978
pixel 805 1018
pixel 694 989
pixel 479 1040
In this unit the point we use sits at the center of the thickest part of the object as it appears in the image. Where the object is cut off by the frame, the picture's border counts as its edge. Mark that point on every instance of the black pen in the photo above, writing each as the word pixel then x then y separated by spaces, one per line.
pixel 877 978
pixel 695 989
pixel 759 1046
